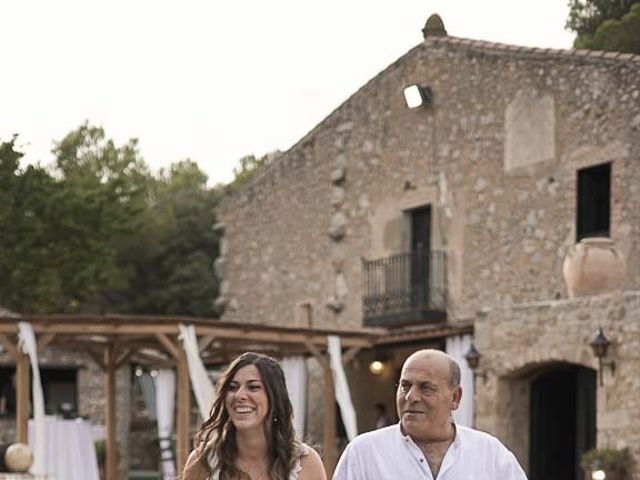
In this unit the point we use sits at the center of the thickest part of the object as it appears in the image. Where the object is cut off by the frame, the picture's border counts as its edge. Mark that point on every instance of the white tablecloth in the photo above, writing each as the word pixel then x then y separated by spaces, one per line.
pixel 69 450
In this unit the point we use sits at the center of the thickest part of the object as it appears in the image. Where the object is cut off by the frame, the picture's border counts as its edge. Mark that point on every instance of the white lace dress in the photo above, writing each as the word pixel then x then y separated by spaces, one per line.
pixel 295 471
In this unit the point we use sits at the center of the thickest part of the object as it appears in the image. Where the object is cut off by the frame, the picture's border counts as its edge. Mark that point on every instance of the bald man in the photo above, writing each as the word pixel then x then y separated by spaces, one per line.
pixel 427 444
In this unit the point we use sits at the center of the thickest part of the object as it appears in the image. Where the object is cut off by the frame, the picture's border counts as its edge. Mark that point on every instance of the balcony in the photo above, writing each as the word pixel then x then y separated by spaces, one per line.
pixel 405 289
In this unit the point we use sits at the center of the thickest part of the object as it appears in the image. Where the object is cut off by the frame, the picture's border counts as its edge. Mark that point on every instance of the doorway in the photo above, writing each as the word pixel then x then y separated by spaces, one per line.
pixel 562 421
pixel 420 256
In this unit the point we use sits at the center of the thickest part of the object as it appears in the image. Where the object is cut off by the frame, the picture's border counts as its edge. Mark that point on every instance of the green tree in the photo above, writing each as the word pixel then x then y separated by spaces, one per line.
pixel 606 24
pixel 99 233
pixel 30 248
pixel 176 274
pixel 104 188
pixel 249 165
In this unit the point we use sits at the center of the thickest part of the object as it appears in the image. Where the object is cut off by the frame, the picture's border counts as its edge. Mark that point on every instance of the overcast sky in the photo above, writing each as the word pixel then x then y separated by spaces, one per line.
pixel 216 80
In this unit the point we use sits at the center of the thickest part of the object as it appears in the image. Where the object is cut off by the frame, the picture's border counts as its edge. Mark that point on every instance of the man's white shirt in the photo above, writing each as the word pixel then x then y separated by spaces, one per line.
pixel 387 454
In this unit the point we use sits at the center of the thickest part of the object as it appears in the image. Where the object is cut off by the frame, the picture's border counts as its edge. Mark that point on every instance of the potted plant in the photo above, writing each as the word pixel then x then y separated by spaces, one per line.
pixel 607 464
pixel 101 454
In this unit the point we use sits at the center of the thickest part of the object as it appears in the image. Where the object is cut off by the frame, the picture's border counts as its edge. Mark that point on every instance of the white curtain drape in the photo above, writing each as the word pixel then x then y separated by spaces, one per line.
pixel 295 374
pixel 341 387
pixel 201 383
pixel 148 388
pixel 27 344
pixel 457 347
pixel 165 405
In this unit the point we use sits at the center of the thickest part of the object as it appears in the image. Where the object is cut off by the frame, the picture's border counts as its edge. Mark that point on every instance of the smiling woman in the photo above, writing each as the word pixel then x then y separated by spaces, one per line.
pixel 249 435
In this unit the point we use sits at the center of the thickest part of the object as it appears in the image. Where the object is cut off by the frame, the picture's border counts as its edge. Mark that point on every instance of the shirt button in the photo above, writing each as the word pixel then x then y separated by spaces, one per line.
pixel 421 460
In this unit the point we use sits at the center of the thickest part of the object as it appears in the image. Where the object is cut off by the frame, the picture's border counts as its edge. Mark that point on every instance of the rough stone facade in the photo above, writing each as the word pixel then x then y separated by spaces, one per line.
pixel 297 233
pixel 495 155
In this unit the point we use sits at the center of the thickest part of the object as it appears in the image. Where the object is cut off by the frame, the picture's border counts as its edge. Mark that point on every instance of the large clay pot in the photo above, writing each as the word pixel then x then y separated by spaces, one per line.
pixel 593 266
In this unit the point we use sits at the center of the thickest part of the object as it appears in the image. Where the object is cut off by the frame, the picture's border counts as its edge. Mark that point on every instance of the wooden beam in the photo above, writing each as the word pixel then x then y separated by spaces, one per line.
pixel 122 357
pixel 96 358
pixel 23 400
pixel 204 342
pixel 350 354
pixel 276 335
pixel 318 355
pixel 169 346
pixel 10 347
pixel 45 340
pixel 329 431
pixel 184 407
pixel 111 463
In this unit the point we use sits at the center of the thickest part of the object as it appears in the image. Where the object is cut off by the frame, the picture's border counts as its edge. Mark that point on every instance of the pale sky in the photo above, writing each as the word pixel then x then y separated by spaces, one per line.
pixel 216 80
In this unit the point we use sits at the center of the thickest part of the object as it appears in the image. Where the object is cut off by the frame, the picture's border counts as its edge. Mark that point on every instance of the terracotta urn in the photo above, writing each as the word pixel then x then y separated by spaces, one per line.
pixel 593 266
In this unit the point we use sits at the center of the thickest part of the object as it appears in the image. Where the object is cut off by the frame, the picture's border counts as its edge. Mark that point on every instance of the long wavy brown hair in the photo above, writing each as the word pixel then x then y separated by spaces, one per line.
pixel 217 435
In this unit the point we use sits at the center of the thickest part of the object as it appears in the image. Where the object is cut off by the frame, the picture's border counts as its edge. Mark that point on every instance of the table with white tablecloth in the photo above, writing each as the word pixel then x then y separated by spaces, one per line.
pixel 69 449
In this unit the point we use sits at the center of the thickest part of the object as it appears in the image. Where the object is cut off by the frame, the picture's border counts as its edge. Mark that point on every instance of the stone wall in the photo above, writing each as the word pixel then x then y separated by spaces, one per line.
pixel 516 341
pixel 496 156
pixel 501 183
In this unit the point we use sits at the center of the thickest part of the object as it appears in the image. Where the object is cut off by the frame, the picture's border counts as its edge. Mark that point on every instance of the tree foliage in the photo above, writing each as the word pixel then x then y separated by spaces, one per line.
pixel 612 25
pixel 97 232
pixel 249 165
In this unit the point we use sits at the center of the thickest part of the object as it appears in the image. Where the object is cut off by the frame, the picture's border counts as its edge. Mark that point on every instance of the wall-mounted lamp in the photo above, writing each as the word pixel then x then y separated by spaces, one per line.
pixel 376 367
pixel 378 364
pixel 600 345
pixel 416 96
pixel 473 360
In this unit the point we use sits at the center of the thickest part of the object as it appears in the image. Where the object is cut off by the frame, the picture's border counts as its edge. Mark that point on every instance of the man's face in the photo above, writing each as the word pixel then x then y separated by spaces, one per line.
pixel 424 398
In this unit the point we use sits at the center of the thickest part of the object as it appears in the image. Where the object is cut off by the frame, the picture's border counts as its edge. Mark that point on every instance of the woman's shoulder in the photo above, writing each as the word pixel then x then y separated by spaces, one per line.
pixel 194 469
pixel 308 465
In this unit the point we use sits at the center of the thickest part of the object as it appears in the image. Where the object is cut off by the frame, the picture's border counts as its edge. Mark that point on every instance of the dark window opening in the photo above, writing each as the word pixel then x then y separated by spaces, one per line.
pixel 59 387
pixel 7 391
pixel 60 392
pixel 593 202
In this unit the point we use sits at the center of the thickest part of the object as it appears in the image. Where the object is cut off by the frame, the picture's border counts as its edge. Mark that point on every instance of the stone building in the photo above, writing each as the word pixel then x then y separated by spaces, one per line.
pixel 456 216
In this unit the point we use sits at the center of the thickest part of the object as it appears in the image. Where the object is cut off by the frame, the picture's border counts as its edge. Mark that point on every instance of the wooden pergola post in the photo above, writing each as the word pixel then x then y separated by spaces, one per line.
pixel 111 461
pixel 184 407
pixel 329 431
pixel 23 400
pixel 183 401
pixel 329 456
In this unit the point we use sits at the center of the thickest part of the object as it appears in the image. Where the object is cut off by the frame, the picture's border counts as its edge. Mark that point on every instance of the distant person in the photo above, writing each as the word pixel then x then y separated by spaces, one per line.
pixel 382 419
pixel 427 443
pixel 249 435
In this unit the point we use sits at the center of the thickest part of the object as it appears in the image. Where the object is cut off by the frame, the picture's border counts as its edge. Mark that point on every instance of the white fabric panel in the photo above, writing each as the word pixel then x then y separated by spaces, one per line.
pixel 201 383
pixel 341 387
pixel 458 347
pixel 148 388
pixel 295 374
pixel 165 405
pixel 27 343
pixel 69 452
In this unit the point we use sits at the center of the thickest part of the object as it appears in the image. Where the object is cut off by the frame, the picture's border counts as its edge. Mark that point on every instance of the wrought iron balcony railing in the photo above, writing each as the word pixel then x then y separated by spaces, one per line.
pixel 404 289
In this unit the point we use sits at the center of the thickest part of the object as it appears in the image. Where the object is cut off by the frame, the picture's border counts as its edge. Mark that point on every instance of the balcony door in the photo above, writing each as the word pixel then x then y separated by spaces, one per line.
pixel 420 256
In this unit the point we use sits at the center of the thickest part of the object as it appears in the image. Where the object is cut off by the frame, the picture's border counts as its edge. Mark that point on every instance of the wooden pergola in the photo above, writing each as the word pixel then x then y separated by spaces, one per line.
pixel 112 340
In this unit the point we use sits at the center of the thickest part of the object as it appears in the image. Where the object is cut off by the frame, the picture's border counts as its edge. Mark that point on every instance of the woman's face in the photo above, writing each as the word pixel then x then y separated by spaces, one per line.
pixel 246 400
